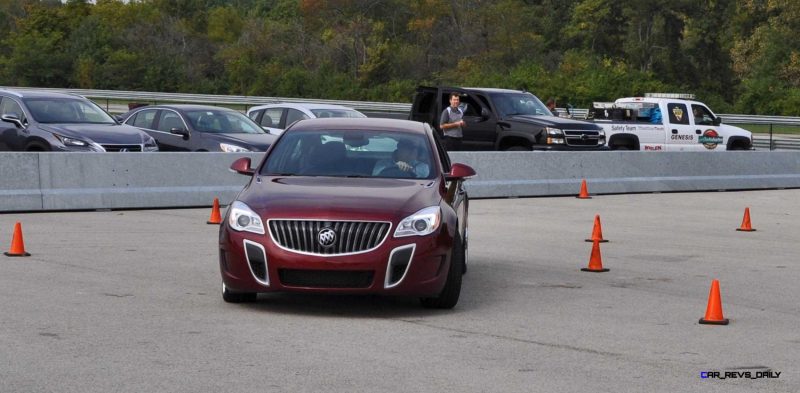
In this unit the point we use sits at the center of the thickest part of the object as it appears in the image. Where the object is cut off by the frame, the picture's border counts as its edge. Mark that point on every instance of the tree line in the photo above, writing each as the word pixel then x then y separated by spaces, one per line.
pixel 738 56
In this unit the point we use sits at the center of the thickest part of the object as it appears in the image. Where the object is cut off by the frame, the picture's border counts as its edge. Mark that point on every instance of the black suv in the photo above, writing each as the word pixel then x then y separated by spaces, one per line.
pixel 48 121
pixel 182 127
pixel 500 119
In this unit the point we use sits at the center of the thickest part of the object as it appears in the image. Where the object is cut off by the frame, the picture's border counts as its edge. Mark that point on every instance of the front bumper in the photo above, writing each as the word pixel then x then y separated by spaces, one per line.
pixel 408 266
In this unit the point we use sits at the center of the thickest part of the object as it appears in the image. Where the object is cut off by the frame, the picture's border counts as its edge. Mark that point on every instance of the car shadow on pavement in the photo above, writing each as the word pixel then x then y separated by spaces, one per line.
pixel 367 306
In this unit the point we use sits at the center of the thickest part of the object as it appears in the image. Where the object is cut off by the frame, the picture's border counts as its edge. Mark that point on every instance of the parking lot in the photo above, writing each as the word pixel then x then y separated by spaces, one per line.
pixel 129 301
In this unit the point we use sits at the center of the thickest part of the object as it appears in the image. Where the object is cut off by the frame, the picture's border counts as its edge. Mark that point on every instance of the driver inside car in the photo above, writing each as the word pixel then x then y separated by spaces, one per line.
pixel 405 159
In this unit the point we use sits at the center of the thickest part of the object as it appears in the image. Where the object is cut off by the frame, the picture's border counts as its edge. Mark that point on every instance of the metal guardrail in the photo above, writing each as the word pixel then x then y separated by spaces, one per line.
pixel 155 97
pixel 765 142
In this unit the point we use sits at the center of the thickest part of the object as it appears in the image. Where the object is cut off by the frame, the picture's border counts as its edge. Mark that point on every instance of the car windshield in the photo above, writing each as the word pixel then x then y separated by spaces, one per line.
pixel 351 153
pixel 514 104
pixel 222 122
pixel 67 110
pixel 337 113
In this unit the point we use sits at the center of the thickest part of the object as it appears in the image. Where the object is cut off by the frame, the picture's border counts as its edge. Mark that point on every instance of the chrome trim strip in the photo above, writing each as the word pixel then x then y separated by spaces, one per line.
pixel 333 220
pixel 266 264
pixel 386 285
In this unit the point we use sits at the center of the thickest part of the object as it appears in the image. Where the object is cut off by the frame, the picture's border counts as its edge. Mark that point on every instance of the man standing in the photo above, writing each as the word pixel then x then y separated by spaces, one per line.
pixel 451 123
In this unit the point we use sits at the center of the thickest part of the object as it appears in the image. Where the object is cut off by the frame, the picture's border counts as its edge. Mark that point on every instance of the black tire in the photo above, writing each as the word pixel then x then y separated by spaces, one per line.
pixel 517 148
pixel 230 296
pixel 466 252
pixel 448 298
pixel 621 148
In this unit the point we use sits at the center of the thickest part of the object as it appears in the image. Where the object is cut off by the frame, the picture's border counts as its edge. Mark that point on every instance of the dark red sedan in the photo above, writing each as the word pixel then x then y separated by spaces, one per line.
pixel 349 206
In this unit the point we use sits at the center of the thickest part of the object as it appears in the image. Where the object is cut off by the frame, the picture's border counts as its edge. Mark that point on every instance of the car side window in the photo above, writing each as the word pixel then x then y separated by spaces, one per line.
pixel 169 120
pixel 677 113
pixel 272 117
pixel 444 159
pixel 702 116
pixel 144 119
pixel 9 106
pixel 294 115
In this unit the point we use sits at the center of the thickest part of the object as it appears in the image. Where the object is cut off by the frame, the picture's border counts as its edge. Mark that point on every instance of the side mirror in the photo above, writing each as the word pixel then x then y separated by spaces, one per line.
pixel 485 113
pixel 242 167
pixel 13 118
pixel 460 172
pixel 180 131
pixel 717 121
pixel 119 118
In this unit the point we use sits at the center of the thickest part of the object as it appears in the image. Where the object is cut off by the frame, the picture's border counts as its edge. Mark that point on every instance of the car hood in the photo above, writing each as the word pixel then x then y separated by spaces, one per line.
pixel 252 142
pixel 339 198
pixel 100 133
pixel 552 121
pixel 729 131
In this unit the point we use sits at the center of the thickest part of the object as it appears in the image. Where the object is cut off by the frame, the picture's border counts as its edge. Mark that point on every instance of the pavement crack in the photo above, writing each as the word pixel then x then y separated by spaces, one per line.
pixel 514 339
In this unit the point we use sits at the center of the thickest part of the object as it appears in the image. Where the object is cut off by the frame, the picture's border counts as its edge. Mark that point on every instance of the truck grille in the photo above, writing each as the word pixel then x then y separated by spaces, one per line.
pixel 122 148
pixel 583 138
pixel 348 236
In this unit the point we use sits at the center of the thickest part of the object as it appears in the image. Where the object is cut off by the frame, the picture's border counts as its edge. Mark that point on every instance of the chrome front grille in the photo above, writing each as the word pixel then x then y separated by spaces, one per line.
pixel 583 138
pixel 351 237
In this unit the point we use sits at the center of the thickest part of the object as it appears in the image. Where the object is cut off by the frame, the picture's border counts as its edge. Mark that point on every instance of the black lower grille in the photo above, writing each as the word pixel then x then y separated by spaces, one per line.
pixel 257 261
pixel 326 278
pixel 122 148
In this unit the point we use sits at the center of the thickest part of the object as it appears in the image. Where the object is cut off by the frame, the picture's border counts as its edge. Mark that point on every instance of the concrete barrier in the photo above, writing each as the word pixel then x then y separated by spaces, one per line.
pixel 516 174
pixel 74 181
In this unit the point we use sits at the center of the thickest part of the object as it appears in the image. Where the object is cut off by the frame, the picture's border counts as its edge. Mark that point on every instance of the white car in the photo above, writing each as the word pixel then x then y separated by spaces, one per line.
pixel 276 117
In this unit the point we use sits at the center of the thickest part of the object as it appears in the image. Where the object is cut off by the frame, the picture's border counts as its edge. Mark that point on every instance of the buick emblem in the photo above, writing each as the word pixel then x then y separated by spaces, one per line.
pixel 326 237
pixel 124 149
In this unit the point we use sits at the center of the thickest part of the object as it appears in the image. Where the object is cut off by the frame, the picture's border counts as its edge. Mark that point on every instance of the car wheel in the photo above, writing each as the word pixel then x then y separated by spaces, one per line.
pixel 517 148
pixel 230 296
pixel 620 148
pixel 448 298
pixel 466 249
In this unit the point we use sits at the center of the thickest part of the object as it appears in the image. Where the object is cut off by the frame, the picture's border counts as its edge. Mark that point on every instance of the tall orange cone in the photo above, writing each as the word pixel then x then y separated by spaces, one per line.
pixel 584 194
pixel 597 231
pixel 714 309
pixel 595 260
pixel 215 216
pixel 17 244
pixel 746 222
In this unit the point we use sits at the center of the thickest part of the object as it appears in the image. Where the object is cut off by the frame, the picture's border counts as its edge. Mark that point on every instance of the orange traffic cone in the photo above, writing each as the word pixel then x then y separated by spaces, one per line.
pixel 17 244
pixel 595 260
pixel 584 194
pixel 746 222
pixel 714 309
pixel 597 231
pixel 215 216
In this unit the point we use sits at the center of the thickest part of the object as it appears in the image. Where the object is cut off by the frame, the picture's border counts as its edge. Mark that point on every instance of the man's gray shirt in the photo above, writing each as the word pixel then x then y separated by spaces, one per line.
pixel 450 115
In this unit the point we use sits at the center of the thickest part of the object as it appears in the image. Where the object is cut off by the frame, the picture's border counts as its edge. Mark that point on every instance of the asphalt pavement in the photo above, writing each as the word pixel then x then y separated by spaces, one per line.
pixel 128 301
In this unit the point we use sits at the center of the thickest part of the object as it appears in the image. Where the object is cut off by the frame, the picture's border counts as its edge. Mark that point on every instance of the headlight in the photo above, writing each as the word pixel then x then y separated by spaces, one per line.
pixel 242 218
pixel 150 145
pixel 554 131
pixel 232 148
pixel 67 141
pixel 421 223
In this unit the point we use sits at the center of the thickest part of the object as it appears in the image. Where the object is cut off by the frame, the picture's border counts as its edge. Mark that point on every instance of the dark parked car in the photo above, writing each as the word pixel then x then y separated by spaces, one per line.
pixel 349 206
pixel 47 121
pixel 199 128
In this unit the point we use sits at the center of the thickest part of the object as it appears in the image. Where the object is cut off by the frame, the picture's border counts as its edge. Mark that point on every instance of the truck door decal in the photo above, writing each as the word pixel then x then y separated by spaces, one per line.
pixel 677 113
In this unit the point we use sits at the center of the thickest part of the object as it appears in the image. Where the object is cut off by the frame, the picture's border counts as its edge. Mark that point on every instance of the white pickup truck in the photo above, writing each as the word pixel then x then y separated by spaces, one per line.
pixel 666 122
